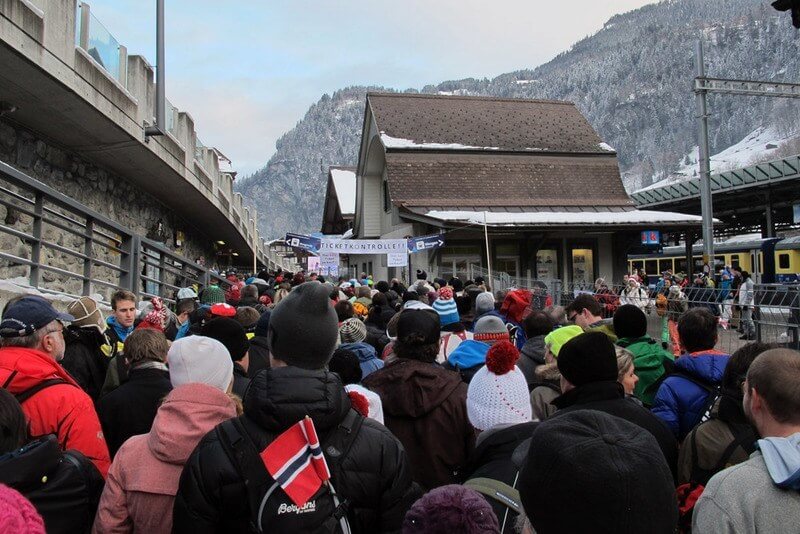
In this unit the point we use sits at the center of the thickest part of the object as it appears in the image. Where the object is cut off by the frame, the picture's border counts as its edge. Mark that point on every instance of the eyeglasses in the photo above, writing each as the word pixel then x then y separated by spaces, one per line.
pixel 571 318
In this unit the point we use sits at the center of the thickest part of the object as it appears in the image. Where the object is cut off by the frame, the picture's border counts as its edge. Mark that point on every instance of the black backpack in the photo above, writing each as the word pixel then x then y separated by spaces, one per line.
pixel 271 509
pixel 498 491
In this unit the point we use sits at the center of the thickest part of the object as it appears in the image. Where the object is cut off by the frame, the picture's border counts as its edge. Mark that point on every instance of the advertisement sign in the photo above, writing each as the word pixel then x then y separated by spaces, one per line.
pixel 651 237
pixel 397 259
pixel 427 242
pixel 364 246
pixel 304 242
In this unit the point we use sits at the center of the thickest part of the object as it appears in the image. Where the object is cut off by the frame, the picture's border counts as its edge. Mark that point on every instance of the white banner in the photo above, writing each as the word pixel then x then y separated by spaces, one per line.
pixel 397 259
pixel 329 259
pixel 364 246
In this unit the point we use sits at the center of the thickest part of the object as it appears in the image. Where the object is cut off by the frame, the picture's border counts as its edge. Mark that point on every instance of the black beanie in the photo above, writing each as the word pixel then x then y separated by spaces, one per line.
pixel 382 286
pixel 345 363
pixel 421 275
pixel 588 471
pixel 589 357
pixel 230 333
pixel 630 322
pixel 303 327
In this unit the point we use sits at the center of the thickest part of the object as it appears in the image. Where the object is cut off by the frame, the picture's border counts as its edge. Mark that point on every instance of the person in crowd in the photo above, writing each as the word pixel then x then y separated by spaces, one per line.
pixel 516 305
pixel 650 360
pixel 378 317
pixel 346 364
pixel 422 279
pixel 536 326
pixel 725 298
pixel 231 334
pixel 88 349
pixel 17 514
pixel 634 294
pixel 249 298
pixel 727 438
pixel 130 409
pixel 661 304
pixel 589 471
pixel 470 355
pixel 183 313
pixel 684 398
pixel 213 294
pixel 498 408
pixel 606 297
pixel 31 345
pixel 746 302
pixel 344 310
pixel 677 305
pixel 453 330
pixel 63 486
pixel 484 303
pixel 451 508
pixel 186 293
pixel 247 317
pixel 143 479
pixel 547 386
pixel 123 315
pixel 353 333
pixel 586 312
pixel 589 381
pixel 558 314
pixel 761 494
pixel 373 476
pixel 423 404
pixel 259 349
pixel 364 296
pixel 626 373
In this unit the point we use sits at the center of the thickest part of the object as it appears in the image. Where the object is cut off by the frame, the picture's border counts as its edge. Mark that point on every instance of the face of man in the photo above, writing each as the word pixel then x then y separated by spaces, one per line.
pixel 125 313
pixel 53 342
pixel 580 318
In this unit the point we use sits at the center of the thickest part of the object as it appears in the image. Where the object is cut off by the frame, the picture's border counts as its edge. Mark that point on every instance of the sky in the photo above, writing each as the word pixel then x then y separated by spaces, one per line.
pixel 247 71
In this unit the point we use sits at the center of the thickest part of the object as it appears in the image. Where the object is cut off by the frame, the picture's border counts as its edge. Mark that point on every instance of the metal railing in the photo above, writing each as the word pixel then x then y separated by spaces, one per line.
pixel 60 246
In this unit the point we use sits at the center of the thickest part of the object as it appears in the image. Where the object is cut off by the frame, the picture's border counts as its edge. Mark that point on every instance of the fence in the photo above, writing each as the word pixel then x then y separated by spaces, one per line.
pixel 60 246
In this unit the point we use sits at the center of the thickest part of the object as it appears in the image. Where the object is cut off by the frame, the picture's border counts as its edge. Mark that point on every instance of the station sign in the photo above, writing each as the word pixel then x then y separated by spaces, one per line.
pixel 428 242
pixel 651 237
pixel 303 242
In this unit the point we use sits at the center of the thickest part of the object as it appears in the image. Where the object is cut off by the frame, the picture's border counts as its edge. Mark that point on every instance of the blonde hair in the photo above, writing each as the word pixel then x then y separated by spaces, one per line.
pixel 624 361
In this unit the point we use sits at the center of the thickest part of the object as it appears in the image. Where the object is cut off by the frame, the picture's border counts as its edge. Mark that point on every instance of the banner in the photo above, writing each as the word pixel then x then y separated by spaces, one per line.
pixel 397 259
pixel 428 242
pixel 329 259
pixel 305 242
pixel 364 246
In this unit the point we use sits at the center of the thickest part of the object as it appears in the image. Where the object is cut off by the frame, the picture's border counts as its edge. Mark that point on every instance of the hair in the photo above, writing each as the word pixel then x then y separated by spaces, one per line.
pixel 538 323
pixel 412 348
pixel 557 314
pixel 585 301
pixel 739 363
pixel 344 310
pixel 380 299
pixel 146 345
pixel 624 361
pixel 121 295
pixel 247 316
pixel 463 304
pixel 185 306
pixel 32 341
pixel 363 292
pixel 13 427
pixel 697 329
pixel 249 291
pixel 775 375
pixel 345 363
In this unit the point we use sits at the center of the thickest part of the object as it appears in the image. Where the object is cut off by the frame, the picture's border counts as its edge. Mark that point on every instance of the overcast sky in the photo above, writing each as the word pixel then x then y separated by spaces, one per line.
pixel 248 71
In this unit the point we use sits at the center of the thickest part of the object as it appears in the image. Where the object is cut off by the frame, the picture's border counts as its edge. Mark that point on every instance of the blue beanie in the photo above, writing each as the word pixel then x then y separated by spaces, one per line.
pixel 447 310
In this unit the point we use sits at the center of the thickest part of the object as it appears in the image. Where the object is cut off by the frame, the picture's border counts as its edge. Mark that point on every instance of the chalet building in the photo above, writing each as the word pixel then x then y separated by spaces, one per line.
pixel 340 201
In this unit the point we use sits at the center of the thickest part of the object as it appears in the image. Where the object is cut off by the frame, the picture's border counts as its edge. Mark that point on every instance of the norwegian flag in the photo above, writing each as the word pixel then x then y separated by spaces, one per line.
pixel 296 462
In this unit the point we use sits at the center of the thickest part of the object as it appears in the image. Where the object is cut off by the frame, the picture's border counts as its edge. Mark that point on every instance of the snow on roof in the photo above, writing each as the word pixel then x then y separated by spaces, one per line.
pixel 606 147
pixel 397 142
pixel 564 217
pixel 344 182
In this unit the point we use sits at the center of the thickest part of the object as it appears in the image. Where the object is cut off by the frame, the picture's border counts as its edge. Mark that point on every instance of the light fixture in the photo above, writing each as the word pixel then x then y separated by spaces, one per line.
pixel 234 254
pixel 220 242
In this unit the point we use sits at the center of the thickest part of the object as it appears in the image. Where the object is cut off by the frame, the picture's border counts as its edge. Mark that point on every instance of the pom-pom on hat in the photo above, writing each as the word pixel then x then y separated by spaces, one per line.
pixel 446 307
pixel 498 393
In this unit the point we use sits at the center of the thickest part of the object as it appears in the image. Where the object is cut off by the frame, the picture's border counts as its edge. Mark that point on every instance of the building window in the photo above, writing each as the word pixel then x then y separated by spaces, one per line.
pixel 387 202
pixel 583 267
pixel 547 264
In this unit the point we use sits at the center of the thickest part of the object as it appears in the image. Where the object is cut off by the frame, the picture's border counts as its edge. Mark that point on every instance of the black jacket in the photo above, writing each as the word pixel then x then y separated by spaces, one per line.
pixel 609 397
pixel 492 459
pixel 259 356
pixel 252 303
pixel 130 409
pixel 240 380
pixel 84 359
pixel 376 477
pixel 64 487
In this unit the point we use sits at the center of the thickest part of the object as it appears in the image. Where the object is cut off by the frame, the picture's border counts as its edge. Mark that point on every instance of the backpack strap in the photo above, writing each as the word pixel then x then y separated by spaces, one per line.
pixel 743 436
pixel 31 391
pixel 496 490
pixel 338 442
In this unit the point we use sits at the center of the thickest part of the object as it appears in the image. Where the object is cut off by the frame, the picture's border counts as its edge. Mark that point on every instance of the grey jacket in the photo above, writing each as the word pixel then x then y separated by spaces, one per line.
pixel 531 357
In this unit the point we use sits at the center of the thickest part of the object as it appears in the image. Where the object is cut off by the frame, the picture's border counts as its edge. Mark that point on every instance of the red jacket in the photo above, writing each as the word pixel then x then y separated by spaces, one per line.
pixel 61 409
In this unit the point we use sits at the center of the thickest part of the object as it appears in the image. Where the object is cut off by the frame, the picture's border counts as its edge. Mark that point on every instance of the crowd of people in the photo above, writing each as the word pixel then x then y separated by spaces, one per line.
pixel 440 406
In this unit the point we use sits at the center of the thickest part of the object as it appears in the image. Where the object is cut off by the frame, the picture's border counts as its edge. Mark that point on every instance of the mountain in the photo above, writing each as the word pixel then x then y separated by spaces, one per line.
pixel 632 79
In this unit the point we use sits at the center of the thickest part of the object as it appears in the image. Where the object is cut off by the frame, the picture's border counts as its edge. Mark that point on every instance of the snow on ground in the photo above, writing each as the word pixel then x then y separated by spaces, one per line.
pixel 559 217
pixel 344 182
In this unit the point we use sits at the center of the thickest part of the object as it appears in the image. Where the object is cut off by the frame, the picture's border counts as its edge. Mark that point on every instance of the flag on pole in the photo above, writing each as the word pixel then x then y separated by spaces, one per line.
pixel 295 461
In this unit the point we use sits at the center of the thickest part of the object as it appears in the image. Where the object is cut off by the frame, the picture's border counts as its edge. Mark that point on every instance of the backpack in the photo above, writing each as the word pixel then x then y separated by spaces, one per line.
pixel 661 305
pixel 499 491
pixel 271 509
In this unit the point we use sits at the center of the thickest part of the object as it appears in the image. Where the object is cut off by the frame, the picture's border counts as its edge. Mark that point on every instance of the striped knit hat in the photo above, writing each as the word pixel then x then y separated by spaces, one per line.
pixel 445 306
pixel 353 330
pixel 491 329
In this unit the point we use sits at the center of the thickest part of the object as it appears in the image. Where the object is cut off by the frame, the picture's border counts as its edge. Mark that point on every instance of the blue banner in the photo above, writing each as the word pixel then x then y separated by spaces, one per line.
pixel 304 242
pixel 427 242
pixel 651 237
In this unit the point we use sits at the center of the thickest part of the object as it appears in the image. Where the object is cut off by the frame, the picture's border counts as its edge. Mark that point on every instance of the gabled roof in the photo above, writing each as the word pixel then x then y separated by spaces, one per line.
pixel 437 122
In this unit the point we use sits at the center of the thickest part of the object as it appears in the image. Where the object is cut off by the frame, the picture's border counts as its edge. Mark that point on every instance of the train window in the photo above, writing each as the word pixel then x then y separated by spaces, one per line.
pixel 637 264
pixel 719 261
pixel 735 262
pixel 760 263
pixel 680 265
pixel 664 264
pixel 651 266
pixel 783 261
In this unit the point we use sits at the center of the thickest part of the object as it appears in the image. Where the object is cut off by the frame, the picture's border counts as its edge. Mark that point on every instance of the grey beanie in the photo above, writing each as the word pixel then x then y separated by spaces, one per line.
pixel 484 303
pixel 303 327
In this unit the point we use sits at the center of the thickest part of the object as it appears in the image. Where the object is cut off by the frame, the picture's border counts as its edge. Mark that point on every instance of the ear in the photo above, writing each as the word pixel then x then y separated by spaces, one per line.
pixel 757 405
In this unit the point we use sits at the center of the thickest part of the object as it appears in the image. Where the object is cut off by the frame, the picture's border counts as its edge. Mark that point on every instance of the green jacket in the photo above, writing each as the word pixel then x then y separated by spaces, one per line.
pixel 648 361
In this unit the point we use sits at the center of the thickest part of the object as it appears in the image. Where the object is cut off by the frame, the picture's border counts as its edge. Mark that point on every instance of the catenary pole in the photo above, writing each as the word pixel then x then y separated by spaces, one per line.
pixel 706 206
pixel 488 255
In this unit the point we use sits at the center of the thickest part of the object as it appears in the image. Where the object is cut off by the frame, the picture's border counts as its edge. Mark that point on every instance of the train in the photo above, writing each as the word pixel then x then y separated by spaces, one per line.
pixel 768 260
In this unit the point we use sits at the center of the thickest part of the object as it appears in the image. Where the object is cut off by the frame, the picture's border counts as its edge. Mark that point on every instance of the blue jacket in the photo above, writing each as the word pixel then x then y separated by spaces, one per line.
pixel 468 353
pixel 680 402
pixel 367 357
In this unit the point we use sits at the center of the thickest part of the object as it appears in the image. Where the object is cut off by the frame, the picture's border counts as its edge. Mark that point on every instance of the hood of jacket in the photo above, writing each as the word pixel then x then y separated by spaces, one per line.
pixel 782 457
pixel 187 414
pixel 278 397
pixel 648 355
pixel 120 330
pixel 499 443
pixel 28 367
pixel 548 372
pixel 23 468
pixel 468 353
pixel 364 351
pixel 707 365
pixel 410 388
pixel 533 349
pixel 592 392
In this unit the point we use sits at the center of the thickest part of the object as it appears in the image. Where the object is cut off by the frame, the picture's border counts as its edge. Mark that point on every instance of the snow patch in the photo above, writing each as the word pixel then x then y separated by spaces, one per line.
pixel 399 142
pixel 564 217
pixel 21 286
pixel 525 82
pixel 606 147
pixel 344 182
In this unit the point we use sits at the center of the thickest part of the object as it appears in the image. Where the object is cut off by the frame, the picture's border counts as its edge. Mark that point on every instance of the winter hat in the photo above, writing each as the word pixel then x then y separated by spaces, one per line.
pixel 17 514
pixel 187 293
pixel 484 302
pixel 303 327
pixel 230 333
pixel 200 359
pixel 630 322
pixel 451 508
pixel 87 314
pixel 627 487
pixel 223 310
pixel 445 306
pixel 498 393
pixel 262 326
pixel 588 358
pixel 212 295
pixel 419 321
pixel 382 286
pixel 421 275
pixel 456 284
pixel 157 317
pixel 345 363
pixel 559 336
pixel 490 329
pixel 516 303
pixel 353 330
